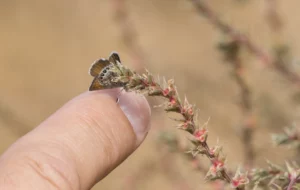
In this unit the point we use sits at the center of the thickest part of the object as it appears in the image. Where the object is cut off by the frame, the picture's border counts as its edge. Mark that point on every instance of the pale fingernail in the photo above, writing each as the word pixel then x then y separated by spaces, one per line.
pixel 137 110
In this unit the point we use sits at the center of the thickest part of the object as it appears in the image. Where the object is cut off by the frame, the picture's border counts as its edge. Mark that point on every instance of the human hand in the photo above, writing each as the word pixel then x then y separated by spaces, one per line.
pixel 79 144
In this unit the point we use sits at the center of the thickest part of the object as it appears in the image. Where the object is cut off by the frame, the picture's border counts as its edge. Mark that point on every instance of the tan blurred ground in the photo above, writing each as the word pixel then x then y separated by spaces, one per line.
pixel 46 48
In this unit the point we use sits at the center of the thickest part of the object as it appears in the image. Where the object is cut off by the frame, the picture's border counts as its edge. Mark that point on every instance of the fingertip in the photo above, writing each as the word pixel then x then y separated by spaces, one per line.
pixel 91 134
pixel 134 106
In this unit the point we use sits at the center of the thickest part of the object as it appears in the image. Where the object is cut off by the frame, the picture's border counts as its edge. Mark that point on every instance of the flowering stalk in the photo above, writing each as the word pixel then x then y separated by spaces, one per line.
pixel 275 24
pixel 272 16
pixel 231 51
pixel 129 33
pixel 146 84
pixel 276 176
pixel 276 61
pixel 129 36
pixel 174 146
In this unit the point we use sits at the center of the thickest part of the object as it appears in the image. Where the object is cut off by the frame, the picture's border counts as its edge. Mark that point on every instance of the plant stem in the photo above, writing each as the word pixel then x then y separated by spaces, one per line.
pixel 265 58
pixel 129 33
pixel 292 183
pixel 247 110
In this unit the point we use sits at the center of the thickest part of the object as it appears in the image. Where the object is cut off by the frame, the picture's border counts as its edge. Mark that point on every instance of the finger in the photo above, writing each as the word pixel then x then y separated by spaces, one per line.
pixel 79 144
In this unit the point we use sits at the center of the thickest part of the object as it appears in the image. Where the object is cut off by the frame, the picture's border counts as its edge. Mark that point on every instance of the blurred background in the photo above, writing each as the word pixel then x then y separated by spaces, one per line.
pixel 48 46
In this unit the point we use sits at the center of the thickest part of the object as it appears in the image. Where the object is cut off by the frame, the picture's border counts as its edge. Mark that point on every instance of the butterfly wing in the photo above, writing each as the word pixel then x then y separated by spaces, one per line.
pixel 96 85
pixel 97 67
pixel 114 58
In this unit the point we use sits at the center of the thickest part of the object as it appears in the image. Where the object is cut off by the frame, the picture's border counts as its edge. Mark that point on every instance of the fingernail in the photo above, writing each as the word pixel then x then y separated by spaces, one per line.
pixel 137 110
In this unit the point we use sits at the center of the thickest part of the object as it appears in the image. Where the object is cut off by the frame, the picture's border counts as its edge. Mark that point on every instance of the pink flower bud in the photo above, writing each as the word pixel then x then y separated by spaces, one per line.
pixel 239 180
pixel 201 135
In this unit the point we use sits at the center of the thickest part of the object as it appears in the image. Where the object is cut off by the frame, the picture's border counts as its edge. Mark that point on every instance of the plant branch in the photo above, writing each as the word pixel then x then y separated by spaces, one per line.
pixel 129 33
pixel 277 64
pixel 291 184
pixel 273 19
pixel 146 84
pixel 231 51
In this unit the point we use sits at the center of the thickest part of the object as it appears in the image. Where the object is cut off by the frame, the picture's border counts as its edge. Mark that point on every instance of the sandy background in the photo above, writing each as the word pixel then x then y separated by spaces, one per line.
pixel 46 48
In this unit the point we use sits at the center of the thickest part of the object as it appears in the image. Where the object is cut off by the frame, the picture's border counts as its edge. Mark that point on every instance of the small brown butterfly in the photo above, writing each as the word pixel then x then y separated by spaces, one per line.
pixel 102 71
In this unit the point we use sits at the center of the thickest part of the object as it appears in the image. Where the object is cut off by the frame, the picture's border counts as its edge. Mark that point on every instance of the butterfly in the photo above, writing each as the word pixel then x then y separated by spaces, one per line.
pixel 103 71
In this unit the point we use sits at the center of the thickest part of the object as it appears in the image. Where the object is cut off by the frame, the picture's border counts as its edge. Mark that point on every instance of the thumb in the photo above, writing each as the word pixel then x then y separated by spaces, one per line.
pixel 79 144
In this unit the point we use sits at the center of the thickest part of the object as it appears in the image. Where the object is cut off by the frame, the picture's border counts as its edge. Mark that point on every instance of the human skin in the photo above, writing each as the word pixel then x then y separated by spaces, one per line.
pixel 79 144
